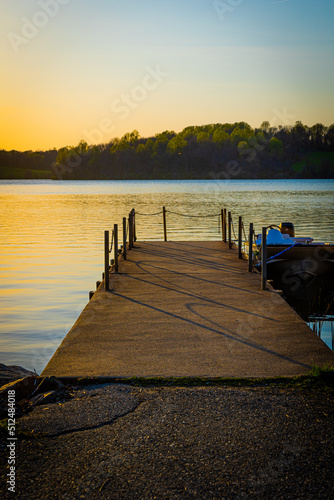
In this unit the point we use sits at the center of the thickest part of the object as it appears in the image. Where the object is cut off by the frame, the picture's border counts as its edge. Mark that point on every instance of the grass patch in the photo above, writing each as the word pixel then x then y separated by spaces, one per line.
pixel 22 173
pixel 323 374
pixel 319 157
pixel 317 378
pixel 299 166
pixel 314 162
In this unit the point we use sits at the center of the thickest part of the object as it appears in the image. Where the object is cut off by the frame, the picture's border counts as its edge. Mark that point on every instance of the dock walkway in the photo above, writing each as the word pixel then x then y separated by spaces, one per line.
pixel 187 309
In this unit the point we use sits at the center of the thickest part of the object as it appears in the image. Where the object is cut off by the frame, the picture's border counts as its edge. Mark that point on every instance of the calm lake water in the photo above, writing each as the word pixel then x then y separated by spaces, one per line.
pixel 52 234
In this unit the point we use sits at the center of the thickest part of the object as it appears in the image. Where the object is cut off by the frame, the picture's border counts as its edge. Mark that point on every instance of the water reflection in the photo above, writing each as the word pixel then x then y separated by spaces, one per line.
pixel 323 326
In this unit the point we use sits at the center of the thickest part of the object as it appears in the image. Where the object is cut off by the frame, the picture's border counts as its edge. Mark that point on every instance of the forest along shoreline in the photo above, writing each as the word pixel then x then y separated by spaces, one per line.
pixel 215 151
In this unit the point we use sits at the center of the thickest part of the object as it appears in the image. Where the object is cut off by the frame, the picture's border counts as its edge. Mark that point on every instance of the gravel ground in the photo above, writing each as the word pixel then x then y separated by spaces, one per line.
pixel 120 442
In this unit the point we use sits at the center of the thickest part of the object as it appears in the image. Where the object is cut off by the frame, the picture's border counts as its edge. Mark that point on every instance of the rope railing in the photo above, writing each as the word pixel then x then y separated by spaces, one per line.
pixel 192 216
pixel 221 218
pixel 112 241
pixel 177 213
pixel 243 228
pixel 129 235
pixel 235 238
pixel 241 240
pixel 149 215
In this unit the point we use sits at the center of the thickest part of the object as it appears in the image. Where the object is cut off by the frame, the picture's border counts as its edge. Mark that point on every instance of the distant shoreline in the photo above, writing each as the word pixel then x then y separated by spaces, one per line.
pixel 277 177
pixel 214 151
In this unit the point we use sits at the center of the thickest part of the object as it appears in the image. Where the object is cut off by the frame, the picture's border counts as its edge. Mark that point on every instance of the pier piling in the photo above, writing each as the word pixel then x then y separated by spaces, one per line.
pixel 229 230
pixel 240 238
pixel 264 259
pixel 124 238
pixel 165 223
pixel 106 260
pixel 250 248
pixel 116 247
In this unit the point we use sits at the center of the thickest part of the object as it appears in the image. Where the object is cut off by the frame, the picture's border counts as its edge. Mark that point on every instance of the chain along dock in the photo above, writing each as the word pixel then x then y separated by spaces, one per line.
pixel 185 309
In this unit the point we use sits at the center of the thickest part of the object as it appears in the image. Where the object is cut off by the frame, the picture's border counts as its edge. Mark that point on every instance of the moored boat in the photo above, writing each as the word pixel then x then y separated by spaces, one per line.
pixel 300 266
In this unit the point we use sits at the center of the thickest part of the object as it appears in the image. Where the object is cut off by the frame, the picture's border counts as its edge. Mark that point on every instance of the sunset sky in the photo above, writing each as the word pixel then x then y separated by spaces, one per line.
pixel 95 69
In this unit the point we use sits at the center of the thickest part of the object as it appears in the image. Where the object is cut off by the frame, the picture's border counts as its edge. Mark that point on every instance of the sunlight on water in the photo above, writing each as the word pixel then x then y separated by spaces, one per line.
pixel 52 240
pixel 324 327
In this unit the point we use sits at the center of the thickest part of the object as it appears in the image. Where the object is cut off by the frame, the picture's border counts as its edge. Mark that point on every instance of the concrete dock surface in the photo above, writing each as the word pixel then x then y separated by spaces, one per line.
pixel 187 309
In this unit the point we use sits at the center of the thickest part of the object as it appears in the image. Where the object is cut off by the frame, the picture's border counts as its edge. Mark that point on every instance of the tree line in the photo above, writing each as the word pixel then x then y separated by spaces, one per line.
pixel 216 151
pixel 27 164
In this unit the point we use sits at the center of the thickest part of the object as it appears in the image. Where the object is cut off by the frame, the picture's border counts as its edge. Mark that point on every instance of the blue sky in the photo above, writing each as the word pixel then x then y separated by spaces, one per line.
pixel 84 70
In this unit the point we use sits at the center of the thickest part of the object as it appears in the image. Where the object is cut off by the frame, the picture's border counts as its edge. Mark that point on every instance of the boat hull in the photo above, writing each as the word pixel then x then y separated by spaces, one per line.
pixel 302 271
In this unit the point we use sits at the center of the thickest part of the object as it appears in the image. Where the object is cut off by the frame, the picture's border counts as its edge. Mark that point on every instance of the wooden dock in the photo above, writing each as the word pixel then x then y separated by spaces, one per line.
pixel 187 309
